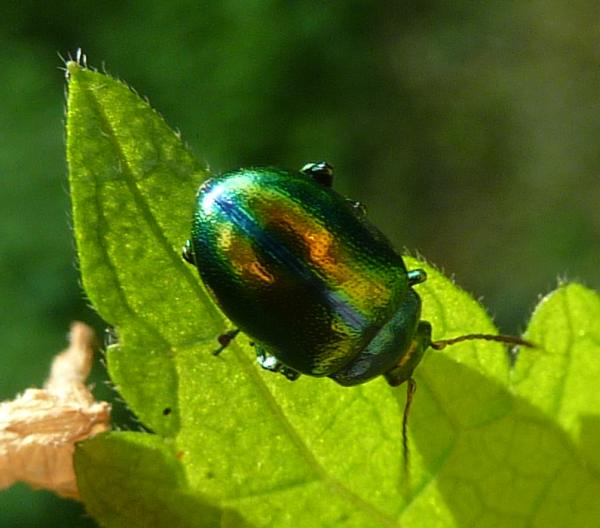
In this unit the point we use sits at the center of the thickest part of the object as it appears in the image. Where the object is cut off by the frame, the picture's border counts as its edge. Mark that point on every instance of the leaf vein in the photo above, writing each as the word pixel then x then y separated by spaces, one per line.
pixel 334 485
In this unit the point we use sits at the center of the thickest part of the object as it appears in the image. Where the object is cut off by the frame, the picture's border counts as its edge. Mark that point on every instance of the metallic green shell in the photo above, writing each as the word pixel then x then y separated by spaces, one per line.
pixel 296 267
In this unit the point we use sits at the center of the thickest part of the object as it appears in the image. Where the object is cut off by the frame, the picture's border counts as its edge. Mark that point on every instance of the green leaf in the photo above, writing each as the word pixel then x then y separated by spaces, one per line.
pixel 522 465
pixel 238 444
pixel 132 184
pixel 147 482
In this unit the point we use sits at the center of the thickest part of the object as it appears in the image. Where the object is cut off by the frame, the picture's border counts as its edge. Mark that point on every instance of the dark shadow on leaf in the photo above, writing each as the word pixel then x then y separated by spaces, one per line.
pixel 511 466
pixel 590 440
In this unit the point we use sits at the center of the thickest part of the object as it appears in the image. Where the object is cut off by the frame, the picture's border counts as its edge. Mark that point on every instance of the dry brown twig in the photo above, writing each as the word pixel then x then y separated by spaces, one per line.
pixel 39 429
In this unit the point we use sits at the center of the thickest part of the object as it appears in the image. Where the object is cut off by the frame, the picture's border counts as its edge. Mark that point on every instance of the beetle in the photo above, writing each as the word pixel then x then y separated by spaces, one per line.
pixel 316 286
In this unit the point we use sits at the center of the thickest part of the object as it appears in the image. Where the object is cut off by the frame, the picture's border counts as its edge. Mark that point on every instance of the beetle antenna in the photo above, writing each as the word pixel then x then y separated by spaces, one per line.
pixel 411 387
pixel 507 339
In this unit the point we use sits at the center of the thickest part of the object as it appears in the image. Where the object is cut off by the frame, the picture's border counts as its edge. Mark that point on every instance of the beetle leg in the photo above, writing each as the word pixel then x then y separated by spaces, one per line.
pixel 416 276
pixel 271 363
pixel 225 339
pixel 321 172
pixel 359 208
pixel 290 373
pixel 187 253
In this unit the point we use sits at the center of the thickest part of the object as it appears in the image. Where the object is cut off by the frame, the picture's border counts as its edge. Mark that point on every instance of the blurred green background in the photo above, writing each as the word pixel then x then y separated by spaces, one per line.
pixel 471 131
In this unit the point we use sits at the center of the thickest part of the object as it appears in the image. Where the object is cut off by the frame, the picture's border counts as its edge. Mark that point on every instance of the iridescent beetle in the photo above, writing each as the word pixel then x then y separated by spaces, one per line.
pixel 318 288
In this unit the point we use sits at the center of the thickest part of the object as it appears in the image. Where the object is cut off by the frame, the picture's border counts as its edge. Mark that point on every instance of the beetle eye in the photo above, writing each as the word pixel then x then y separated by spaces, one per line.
pixel 321 172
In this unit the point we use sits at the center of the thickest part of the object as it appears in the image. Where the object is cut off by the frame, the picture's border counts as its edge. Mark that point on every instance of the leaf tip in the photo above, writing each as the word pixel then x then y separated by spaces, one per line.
pixel 75 65
pixel 72 68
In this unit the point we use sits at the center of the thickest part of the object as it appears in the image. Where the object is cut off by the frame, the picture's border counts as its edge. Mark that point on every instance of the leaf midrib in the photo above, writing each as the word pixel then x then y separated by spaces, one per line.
pixel 143 207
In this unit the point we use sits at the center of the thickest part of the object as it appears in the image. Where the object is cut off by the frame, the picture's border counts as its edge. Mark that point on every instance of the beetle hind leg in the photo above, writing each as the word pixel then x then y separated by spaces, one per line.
pixel 271 363
pixel 225 339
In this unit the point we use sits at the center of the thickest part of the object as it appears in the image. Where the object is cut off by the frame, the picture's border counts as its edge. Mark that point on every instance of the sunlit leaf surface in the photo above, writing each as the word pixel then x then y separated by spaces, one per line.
pixel 235 445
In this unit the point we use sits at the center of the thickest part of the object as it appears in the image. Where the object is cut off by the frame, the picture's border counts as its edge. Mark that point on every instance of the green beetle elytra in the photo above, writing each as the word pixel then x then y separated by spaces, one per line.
pixel 318 288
